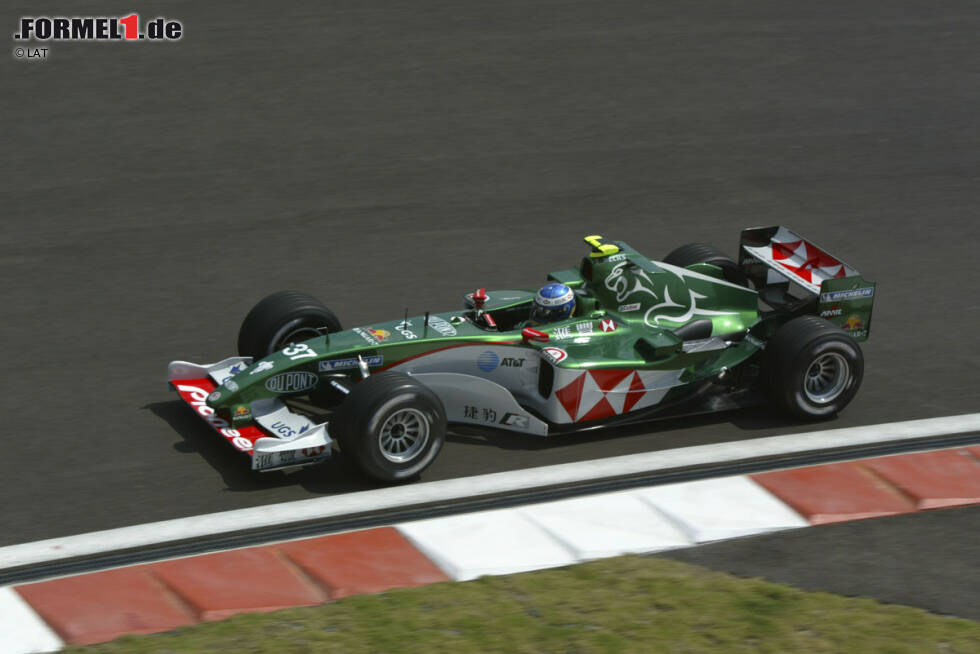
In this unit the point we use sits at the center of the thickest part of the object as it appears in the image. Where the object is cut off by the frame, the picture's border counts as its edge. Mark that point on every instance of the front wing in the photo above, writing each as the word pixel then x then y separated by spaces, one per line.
pixel 279 439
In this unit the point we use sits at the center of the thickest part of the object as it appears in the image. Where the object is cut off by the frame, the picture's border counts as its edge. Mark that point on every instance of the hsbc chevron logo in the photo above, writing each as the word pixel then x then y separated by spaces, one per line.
pixel 598 394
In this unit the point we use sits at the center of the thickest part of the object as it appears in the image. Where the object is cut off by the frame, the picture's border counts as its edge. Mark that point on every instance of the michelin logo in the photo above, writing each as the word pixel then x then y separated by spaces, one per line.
pixel 373 361
pixel 855 294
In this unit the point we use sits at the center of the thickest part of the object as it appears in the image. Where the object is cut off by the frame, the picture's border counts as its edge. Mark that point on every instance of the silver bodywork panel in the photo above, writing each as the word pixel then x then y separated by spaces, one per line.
pixel 576 394
pixel 476 401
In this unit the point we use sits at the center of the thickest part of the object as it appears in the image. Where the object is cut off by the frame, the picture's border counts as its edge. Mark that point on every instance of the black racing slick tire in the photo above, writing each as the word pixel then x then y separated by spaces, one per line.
pixel 812 368
pixel 283 318
pixel 692 253
pixel 391 426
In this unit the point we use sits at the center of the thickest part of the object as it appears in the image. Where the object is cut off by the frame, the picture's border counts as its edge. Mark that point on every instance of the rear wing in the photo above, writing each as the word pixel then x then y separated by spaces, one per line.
pixel 776 255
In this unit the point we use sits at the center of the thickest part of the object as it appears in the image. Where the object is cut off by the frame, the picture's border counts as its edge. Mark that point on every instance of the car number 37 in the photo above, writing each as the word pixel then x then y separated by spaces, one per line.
pixel 299 351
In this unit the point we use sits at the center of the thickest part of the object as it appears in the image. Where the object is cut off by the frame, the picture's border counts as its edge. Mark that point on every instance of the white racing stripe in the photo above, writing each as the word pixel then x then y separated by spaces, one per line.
pixel 450 489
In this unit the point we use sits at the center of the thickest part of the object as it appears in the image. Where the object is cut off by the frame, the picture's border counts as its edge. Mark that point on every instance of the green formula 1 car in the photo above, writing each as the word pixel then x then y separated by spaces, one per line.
pixel 695 332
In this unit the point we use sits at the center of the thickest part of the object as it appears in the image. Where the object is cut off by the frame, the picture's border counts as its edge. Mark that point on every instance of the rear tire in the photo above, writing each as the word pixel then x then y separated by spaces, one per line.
pixel 391 426
pixel 812 368
pixel 283 318
pixel 692 253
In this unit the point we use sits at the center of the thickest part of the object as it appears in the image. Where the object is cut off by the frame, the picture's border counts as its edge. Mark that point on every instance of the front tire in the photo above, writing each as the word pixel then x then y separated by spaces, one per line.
pixel 391 426
pixel 813 369
pixel 283 318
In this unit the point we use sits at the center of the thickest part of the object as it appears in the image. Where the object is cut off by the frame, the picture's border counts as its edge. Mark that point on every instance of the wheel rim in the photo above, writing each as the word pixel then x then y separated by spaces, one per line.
pixel 403 435
pixel 826 378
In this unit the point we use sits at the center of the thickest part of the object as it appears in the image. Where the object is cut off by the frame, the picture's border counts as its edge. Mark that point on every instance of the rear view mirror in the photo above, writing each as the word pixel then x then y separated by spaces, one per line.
pixel 531 334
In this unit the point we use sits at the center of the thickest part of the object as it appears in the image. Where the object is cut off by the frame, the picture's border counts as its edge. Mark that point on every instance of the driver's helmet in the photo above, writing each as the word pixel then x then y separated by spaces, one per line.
pixel 553 302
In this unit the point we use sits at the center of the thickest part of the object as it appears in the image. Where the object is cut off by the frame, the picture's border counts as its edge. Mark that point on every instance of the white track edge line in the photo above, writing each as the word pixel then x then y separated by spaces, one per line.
pixel 333 506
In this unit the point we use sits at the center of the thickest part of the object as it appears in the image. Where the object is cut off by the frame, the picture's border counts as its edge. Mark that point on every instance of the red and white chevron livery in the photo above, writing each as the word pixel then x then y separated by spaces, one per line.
pixel 804 263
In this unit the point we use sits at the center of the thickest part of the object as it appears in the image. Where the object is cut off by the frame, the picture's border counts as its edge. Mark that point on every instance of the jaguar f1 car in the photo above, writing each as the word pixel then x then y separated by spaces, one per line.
pixel 695 332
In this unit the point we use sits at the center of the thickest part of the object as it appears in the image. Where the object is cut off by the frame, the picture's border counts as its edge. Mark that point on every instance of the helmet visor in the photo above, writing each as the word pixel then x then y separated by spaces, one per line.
pixel 542 315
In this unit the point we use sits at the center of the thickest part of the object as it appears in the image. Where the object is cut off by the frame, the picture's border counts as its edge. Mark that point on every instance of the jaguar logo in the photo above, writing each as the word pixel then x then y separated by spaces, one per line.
pixel 676 302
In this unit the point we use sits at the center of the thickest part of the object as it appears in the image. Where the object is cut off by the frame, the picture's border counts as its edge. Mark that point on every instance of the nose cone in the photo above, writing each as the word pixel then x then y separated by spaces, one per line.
pixel 225 395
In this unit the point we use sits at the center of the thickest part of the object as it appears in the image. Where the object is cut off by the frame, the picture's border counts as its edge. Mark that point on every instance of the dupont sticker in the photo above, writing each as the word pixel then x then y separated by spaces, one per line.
pixel 442 326
pixel 291 382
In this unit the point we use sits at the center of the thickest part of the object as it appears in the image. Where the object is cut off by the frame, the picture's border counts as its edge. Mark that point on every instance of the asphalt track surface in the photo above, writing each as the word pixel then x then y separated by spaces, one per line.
pixel 386 157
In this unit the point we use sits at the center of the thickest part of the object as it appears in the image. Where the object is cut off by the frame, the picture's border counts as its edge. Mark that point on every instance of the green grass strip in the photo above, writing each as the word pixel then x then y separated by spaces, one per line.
pixel 625 604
